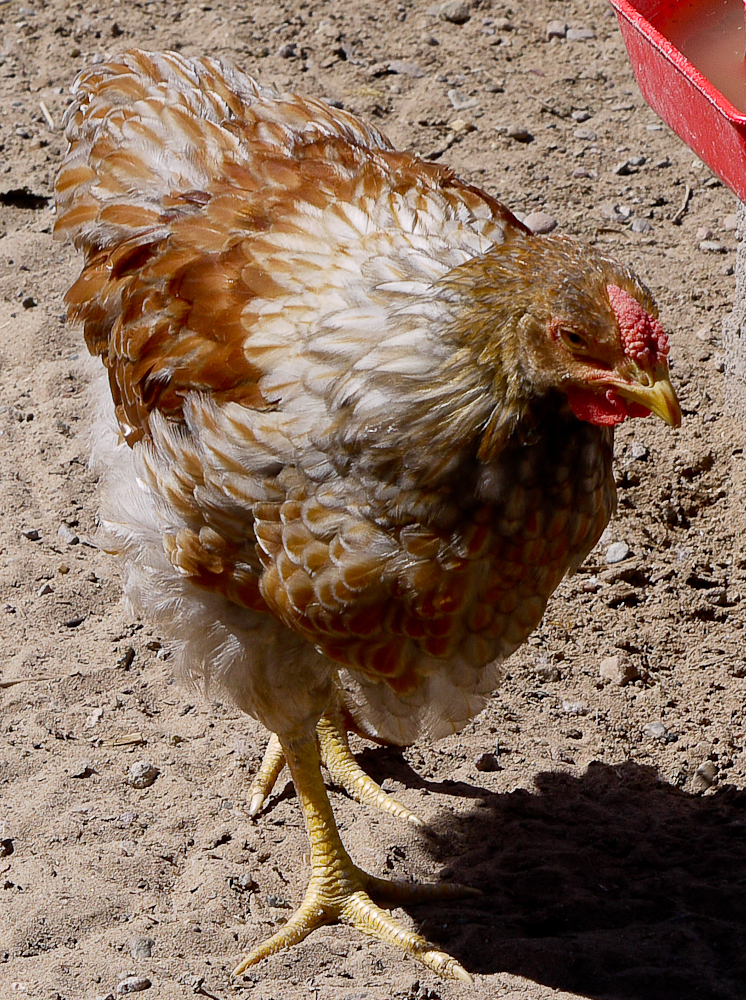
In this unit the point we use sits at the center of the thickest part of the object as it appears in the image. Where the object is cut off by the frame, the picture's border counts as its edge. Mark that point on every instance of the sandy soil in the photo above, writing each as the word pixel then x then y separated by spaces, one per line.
pixel 609 830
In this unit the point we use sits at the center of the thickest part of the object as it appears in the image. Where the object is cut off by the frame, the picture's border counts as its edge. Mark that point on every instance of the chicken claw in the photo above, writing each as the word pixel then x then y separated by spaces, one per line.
pixel 268 773
pixel 341 892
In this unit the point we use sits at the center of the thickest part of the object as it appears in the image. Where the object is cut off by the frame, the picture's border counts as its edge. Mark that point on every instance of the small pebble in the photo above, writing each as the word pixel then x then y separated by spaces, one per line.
pixel 455 11
pixel 584 172
pixel 617 552
pixel 540 222
pixel 705 776
pixel 278 902
pixel 487 762
pixel 460 101
pixel 459 125
pixel 574 708
pixel 67 535
pixel 6 847
pixel 580 34
pixel 127 658
pixel 712 246
pixel 245 883
pixel 586 134
pixel 520 133
pixel 141 947
pixel 288 51
pixel 94 718
pixel 616 213
pixel 641 226
pixel 730 223
pixel 618 669
pixel 405 68
pixel 581 116
pixel 547 672
pixel 654 731
pixel 703 233
pixel 142 774
pixel 639 451
pixel 32 534
pixel 134 984
pixel 556 29
pixel 46 588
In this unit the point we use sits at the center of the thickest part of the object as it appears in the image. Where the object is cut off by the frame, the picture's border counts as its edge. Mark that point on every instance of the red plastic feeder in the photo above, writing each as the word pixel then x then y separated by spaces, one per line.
pixel 678 92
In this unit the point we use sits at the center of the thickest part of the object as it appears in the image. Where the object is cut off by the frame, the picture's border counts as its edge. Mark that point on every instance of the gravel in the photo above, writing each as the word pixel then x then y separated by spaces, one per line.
pixel 455 11
pixel 141 947
pixel 487 762
pixel 142 774
pixel 460 101
pixel 134 984
pixel 655 731
pixel 519 133
pixel 540 222
pixel 705 776
pixel 618 669
pixel 617 552
pixel 580 35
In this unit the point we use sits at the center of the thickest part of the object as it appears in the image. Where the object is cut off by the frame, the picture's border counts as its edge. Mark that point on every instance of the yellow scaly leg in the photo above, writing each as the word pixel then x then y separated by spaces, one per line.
pixel 339 891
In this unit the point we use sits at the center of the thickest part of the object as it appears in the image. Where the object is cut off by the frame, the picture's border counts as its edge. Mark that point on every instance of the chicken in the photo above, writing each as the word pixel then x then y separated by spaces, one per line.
pixel 356 427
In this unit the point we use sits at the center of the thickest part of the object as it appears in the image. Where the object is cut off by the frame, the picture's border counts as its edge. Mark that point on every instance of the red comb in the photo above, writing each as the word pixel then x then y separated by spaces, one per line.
pixel 642 336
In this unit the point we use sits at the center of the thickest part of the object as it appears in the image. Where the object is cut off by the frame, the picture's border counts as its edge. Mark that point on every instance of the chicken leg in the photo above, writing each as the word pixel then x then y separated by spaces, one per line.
pixel 338 759
pixel 339 891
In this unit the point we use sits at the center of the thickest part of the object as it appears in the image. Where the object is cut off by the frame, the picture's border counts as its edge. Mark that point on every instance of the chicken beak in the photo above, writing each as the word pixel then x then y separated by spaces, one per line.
pixel 653 390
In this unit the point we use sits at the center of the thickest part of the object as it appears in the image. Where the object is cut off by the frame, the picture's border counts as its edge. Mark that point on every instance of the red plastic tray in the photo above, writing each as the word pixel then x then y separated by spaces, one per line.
pixel 684 99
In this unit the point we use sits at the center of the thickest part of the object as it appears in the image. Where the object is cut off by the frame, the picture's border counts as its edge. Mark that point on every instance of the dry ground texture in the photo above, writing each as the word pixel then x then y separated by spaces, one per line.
pixel 603 816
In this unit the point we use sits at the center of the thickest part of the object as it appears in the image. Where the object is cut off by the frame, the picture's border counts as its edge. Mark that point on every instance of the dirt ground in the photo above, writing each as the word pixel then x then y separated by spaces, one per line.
pixel 603 814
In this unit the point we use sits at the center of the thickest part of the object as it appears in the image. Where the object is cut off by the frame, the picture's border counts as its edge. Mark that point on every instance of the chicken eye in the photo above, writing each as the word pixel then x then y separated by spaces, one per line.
pixel 575 341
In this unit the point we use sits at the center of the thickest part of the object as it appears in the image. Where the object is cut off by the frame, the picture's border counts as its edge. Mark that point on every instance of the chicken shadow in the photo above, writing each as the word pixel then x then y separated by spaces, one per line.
pixel 611 884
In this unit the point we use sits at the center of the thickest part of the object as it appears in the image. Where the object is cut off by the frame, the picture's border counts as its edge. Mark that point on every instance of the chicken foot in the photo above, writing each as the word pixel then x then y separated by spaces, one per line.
pixel 341 892
pixel 338 759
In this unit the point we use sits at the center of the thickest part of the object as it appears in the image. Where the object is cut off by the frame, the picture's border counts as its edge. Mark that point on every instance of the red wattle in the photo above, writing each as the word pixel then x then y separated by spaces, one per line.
pixel 603 409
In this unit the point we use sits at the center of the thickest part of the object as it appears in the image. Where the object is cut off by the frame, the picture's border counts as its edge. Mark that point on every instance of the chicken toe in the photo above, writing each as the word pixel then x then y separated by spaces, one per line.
pixel 347 773
pixel 265 778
